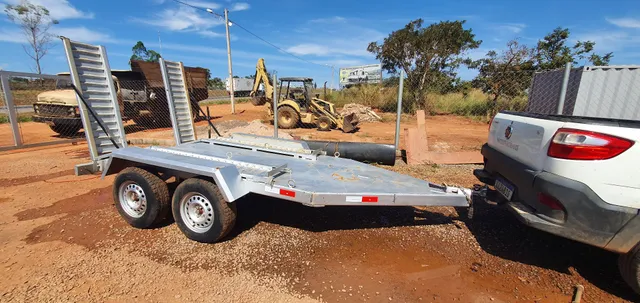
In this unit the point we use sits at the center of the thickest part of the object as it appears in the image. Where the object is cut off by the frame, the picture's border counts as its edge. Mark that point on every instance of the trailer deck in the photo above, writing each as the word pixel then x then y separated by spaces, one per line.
pixel 288 170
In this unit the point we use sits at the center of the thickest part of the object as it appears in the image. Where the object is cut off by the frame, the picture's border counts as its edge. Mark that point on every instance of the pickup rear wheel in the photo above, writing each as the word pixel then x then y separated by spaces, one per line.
pixel 629 265
pixel 141 197
pixel 65 129
pixel 201 212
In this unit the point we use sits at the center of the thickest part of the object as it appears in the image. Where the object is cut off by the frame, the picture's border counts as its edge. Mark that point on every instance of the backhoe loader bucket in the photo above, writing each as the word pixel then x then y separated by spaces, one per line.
pixel 350 123
pixel 258 100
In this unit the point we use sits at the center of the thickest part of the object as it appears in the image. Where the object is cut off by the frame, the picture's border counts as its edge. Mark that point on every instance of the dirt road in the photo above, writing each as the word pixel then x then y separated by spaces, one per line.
pixel 62 240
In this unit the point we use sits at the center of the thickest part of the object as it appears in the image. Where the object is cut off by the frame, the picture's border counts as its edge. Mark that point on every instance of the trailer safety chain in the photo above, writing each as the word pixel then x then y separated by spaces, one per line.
pixel 291 182
pixel 100 123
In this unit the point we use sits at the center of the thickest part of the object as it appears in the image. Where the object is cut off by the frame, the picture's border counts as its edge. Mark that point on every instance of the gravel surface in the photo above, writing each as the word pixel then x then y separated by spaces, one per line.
pixel 62 240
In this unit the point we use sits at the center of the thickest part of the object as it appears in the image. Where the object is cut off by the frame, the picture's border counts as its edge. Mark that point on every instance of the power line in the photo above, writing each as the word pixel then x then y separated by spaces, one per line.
pixel 208 10
pixel 276 47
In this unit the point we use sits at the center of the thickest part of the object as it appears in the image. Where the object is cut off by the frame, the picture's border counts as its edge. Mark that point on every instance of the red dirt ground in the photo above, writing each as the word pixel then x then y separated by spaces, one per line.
pixel 62 240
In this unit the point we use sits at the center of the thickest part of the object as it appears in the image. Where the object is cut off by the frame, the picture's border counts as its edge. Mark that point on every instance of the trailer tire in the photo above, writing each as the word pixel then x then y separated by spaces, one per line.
pixel 629 266
pixel 201 212
pixel 141 198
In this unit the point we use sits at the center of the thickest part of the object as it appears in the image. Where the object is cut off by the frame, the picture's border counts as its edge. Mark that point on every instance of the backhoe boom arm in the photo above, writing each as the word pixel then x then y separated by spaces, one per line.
pixel 261 76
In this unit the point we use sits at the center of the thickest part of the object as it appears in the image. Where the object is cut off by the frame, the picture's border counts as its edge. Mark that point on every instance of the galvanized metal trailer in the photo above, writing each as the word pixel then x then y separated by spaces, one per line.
pixel 213 173
pixel 227 169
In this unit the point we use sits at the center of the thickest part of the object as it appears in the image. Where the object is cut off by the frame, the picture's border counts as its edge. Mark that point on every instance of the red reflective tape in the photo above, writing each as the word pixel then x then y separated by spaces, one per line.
pixel 369 199
pixel 288 193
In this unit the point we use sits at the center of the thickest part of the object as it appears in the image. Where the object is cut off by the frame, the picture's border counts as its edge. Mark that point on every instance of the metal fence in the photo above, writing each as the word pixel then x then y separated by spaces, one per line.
pixel 43 108
pixel 37 110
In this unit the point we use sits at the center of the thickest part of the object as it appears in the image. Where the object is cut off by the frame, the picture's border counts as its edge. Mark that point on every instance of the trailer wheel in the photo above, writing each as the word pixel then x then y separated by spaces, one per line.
pixel 141 197
pixel 629 266
pixel 201 212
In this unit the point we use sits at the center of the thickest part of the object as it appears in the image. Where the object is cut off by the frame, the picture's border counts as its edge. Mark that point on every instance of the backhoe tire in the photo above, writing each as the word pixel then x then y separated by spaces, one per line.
pixel 324 124
pixel 288 117
pixel 201 212
pixel 141 198
pixel 629 266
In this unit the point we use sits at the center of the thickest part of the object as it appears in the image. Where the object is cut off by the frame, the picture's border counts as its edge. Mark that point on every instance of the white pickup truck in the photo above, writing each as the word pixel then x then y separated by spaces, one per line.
pixel 575 177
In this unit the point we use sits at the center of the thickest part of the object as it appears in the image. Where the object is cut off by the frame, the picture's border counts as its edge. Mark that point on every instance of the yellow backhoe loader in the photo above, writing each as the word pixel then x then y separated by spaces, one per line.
pixel 296 105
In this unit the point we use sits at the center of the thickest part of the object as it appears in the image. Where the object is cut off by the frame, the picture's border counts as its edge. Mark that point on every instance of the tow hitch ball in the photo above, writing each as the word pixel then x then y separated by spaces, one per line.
pixel 478 193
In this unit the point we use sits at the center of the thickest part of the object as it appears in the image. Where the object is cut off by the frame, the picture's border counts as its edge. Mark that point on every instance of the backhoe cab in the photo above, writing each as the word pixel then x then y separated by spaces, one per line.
pixel 296 104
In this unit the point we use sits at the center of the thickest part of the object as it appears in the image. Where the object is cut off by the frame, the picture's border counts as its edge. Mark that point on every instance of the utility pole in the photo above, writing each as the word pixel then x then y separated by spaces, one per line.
pixel 332 73
pixel 231 88
pixel 332 69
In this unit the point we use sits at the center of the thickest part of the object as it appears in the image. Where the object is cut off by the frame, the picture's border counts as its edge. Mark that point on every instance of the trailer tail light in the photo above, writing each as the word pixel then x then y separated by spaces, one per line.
pixel 491 122
pixel 575 144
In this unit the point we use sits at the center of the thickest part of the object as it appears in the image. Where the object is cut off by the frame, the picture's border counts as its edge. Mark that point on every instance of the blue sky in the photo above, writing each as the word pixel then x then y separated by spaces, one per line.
pixel 324 32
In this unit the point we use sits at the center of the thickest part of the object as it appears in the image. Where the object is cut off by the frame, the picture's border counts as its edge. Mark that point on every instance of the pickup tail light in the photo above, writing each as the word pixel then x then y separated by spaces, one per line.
pixel 575 144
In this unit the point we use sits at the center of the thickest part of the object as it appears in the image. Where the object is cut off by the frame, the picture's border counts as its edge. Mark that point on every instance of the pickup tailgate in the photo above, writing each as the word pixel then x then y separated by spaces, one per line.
pixel 522 138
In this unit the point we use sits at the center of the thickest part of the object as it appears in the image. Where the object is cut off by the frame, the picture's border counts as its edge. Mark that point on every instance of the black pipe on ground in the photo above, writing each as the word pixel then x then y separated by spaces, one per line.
pixel 384 154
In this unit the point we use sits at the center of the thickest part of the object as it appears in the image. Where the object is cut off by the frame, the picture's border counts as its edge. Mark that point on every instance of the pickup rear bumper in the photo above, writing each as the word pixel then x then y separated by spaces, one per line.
pixel 583 217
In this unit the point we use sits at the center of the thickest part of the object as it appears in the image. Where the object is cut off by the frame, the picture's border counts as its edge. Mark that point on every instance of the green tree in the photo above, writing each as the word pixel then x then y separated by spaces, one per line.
pixel 552 51
pixel 140 52
pixel 216 83
pixel 428 55
pixel 505 75
pixel 35 21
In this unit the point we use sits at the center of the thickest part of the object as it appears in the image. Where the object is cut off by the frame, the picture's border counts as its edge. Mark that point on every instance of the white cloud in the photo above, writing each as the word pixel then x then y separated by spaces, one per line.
pixel 625 22
pixel 309 49
pixel 182 18
pixel 334 19
pixel 83 34
pixel 513 28
pixel 240 6
pixel 59 9
pixel 211 34
pixel 340 37
pixel 11 35
pixel 79 33
pixel 204 4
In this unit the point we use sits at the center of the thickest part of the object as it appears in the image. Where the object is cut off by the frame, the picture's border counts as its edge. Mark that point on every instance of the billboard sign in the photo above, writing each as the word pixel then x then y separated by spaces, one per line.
pixel 371 73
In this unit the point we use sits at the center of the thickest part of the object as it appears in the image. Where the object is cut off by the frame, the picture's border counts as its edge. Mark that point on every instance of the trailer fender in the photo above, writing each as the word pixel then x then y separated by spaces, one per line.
pixel 227 178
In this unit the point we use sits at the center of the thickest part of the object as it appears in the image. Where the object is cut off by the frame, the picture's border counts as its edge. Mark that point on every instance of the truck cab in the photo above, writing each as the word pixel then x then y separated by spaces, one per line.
pixel 59 108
